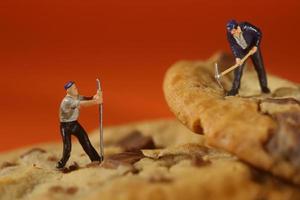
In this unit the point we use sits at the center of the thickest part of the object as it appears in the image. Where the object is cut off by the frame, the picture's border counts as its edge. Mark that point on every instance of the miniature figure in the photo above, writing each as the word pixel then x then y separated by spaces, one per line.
pixel 244 38
pixel 69 113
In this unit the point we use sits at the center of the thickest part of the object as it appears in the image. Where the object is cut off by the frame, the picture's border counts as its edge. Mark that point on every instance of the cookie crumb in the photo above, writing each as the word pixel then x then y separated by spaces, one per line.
pixel 40 150
pixel 8 164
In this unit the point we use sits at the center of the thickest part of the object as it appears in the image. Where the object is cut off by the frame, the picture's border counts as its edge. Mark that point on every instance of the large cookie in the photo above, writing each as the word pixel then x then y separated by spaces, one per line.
pixel 150 160
pixel 263 130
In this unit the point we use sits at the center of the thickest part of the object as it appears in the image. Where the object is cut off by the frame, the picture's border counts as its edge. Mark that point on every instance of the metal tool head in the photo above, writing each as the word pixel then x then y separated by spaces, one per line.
pixel 218 75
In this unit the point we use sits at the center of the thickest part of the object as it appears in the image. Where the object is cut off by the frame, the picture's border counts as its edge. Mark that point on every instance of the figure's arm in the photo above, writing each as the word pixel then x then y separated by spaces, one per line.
pixel 255 31
pixel 88 101
pixel 84 98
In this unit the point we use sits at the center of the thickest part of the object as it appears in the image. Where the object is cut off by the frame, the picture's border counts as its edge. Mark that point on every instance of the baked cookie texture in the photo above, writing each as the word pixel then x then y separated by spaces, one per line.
pixel 154 160
pixel 262 130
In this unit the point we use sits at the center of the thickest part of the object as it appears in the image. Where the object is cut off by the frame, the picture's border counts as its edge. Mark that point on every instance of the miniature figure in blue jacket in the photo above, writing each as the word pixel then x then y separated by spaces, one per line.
pixel 69 113
pixel 244 37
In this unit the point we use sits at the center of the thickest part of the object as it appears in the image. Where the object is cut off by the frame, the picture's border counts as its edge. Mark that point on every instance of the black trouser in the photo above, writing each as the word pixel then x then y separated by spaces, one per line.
pixel 259 67
pixel 74 128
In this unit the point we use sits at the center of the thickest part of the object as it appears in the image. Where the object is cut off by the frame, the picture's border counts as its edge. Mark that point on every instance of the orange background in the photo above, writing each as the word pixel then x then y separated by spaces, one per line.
pixel 129 44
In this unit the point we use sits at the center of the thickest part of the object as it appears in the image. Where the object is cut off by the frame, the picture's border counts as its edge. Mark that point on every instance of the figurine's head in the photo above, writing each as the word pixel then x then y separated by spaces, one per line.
pixel 71 88
pixel 233 27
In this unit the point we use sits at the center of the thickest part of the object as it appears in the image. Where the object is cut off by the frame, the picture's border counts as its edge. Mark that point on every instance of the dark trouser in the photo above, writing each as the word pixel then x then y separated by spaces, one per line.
pixel 69 128
pixel 259 67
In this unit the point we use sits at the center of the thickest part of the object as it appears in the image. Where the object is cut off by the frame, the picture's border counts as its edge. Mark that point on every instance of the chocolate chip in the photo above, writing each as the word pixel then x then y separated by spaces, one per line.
pixel 74 166
pixel 71 190
pixel 258 176
pixel 60 189
pixel 8 164
pixel 52 158
pixel 65 170
pixel 197 127
pixel 284 142
pixel 71 168
pixel 136 141
pixel 135 170
pixel 125 158
pixel 56 189
pixel 40 150
pixel 160 179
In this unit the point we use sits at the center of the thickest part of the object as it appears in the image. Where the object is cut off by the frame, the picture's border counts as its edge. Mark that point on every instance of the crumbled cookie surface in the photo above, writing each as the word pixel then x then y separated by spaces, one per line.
pixel 165 161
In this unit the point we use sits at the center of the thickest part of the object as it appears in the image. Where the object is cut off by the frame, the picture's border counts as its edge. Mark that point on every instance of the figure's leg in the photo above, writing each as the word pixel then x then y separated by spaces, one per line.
pixel 260 69
pixel 66 137
pixel 238 72
pixel 83 138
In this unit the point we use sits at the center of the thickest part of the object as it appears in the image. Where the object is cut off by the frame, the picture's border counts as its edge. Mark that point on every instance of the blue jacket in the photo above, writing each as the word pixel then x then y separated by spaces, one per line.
pixel 252 36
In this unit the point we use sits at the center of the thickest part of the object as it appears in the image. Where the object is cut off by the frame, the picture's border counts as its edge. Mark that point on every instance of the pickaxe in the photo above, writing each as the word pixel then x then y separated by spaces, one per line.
pixel 218 75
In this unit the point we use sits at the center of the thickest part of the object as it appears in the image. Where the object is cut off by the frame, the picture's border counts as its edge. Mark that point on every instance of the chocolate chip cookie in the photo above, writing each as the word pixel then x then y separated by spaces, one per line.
pixel 260 129
pixel 147 160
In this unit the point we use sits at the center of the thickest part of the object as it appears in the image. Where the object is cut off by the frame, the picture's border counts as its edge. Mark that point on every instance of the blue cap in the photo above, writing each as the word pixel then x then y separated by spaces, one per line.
pixel 231 24
pixel 68 84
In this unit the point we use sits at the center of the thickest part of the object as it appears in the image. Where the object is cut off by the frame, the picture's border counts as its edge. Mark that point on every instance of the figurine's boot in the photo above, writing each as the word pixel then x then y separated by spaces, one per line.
pixel 83 138
pixel 60 165
pixel 238 72
pixel 260 69
pixel 265 90
pixel 62 162
pixel 232 92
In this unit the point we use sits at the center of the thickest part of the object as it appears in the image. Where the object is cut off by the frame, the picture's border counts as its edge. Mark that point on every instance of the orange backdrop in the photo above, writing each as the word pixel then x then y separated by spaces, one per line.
pixel 128 44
